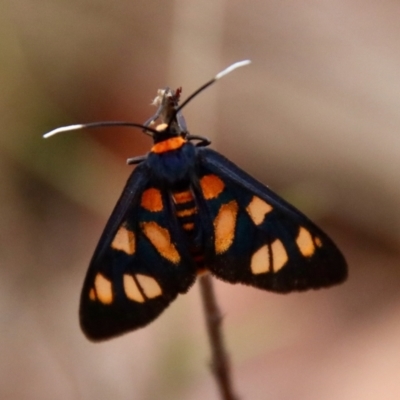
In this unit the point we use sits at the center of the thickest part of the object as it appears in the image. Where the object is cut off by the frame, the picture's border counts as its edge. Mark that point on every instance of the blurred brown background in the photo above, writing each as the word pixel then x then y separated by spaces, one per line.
pixel 316 116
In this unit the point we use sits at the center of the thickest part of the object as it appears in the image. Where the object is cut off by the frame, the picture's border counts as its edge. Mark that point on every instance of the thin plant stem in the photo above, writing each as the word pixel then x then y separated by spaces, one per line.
pixel 220 366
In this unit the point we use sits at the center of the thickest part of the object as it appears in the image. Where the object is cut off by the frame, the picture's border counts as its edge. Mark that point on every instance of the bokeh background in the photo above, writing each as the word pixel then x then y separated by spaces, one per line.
pixel 316 116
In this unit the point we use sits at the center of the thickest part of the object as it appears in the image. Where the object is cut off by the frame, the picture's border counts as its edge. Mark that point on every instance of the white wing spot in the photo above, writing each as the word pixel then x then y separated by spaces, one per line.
pixel 103 289
pixel 260 262
pixel 131 289
pixel 149 286
pixel 258 209
pixel 305 242
pixel 279 255
pixel 124 240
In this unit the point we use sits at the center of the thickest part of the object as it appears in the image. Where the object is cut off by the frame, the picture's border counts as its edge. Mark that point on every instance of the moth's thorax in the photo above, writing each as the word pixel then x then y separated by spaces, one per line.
pixel 172 161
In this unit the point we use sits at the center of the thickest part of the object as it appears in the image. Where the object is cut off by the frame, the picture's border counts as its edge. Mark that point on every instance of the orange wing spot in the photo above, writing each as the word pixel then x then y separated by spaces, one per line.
pixel 188 227
pixel 168 145
pixel 161 240
pixel 149 286
pixel 258 209
pixel 279 255
pixel 183 197
pixel 152 200
pixel 132 290
pixel 317 241
pixel 92 294
pixel 103 289
pixel 305 242
pixel 186 213
pixel 211 186
pixel 260 261
pixel 124 240
pixel 224 226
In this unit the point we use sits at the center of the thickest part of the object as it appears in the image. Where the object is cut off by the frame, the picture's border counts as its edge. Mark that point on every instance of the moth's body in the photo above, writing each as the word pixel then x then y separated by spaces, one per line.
pixel 173 165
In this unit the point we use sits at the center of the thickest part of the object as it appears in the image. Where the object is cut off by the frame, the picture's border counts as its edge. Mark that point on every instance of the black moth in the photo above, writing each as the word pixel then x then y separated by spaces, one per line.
pixel 187 209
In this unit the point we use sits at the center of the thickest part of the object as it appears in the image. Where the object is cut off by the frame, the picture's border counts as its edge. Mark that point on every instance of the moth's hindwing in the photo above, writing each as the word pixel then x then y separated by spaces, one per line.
pixel 140 265
pixel 256 238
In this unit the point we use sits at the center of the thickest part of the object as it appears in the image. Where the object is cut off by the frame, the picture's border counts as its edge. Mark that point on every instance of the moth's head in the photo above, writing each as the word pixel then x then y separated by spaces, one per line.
pixel 167 101
pixel 172 121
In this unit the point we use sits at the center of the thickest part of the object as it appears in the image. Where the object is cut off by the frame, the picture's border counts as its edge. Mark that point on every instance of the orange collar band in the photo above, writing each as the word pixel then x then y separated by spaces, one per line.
pixel 168 145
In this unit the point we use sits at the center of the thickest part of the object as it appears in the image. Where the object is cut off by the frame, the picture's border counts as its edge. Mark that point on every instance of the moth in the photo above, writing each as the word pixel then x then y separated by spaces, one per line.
pixel 187 209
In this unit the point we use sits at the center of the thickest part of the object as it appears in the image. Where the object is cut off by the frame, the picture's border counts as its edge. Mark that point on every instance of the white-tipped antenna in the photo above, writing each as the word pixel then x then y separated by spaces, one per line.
pixel 146 129
pixel 221 74
pixel 63 129
pixel 231 68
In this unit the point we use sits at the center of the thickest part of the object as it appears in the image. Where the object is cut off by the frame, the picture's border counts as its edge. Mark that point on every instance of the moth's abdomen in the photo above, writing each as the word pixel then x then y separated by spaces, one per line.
pixel 186 212
pixel 185 207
